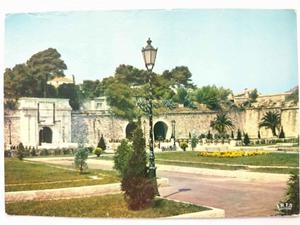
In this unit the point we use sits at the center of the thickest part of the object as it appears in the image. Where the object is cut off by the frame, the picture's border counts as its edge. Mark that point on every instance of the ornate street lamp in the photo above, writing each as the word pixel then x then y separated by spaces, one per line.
pixel 149 54
pixel 173 133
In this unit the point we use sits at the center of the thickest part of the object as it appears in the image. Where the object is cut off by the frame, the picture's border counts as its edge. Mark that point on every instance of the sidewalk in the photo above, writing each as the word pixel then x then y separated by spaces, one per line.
pixel 239 174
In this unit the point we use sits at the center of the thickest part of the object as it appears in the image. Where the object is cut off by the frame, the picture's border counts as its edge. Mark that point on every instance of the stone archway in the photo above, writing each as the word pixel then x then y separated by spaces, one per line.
pixel 45 135
pixel 160 130
pixel 130 129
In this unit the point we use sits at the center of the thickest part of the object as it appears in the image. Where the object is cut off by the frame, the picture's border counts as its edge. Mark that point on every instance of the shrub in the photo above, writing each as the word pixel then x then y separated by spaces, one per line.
pixel 258 135
pixel 281 134
pixel 139 190
pixel 209 135
pixel 183 145
pixel 246 139
pixel 292 195
pixel 101 143
pixel 194 141
pixel 232 135
pixel 33 152
pixel 97 151
pixel 122 156
pixel 20 151
pixel 80 159
pixel 239 135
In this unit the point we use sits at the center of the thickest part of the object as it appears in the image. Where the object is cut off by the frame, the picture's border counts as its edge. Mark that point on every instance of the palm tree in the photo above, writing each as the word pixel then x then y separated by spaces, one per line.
pixel 271 120
pixel 221 123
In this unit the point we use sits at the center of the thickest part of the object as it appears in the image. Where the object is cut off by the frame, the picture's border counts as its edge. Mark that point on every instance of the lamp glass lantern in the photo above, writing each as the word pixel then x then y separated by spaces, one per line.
pixel 149 54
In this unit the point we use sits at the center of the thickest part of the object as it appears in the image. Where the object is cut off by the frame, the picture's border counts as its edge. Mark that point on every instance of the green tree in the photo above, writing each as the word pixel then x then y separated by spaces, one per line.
pixel 97 151
pixel 20 151
pixel 292 194
pixel 101 143
pixel 122 156
pixel 184 145
pixel 180 76
pixel 80 159
pixel 221 123
pixel 139 190
pixel 271 120
pixel 91 89
pixel 71 92
pixel 209 135
pixel 246 139
pixel 211 96
pixel 253 95
pixel 239 135
pixel 46 65
pixel 194 141
pixel 281 134
pixel 30 79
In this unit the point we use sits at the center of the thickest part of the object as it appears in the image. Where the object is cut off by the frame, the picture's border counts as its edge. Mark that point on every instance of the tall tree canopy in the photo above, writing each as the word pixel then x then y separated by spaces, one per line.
pixel 211 96
pixel 29 79
pixel 180 76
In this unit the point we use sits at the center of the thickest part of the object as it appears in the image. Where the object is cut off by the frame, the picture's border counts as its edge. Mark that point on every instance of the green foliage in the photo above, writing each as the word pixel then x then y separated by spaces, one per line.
pixel 294 96
pixel 30 79
pixel 71 92
pixel 139 190
pixel 184 145
pixel 80 159
pixel 239 135
pixel 180 76
pixel 209 135
pixel 211 96
pixel 292 194
pixel 281 134
pixel 122 156
pixel 246 139
pixel 91 89
pixel 183 97
pixel 98 151
pixel 253 95
pixel 101 143
pixel 20 151
pixel 232 135
pixel 258 135
pixel 271 120
pixel 194 141
pixel 222 123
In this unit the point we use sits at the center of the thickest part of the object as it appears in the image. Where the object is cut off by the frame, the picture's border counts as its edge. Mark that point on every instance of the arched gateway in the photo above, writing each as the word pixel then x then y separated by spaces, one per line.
pixel 160 130
pixel 45 135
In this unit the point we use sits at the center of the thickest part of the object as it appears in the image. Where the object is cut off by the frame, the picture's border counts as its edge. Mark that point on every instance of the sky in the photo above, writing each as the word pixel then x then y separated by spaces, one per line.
pixel 236 49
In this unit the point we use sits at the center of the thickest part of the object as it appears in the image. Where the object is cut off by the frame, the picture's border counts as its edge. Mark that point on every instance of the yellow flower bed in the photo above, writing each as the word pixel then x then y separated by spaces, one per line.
pixel 232 154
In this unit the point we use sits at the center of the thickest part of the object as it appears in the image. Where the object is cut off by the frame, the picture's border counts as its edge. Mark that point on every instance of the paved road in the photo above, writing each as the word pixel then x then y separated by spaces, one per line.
pixel 239 198
pixel 241 194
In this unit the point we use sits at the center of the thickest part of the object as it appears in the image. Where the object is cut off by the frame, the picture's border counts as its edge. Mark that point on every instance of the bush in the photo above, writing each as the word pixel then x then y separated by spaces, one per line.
pixel 194 141
pixel 292 195
pixel 80 159
pixel 281 134
pixel 139 189
pixel 239 135
pixel 122 156
pixel 44 152
pixel 101 143
pixel 97 151
pixel 20 151
pixel 246 139
pixel 33 152
pixel 183 145
pixel 209 135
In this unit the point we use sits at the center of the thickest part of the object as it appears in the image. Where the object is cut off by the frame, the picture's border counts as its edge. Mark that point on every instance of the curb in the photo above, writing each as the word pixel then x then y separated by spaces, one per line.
pixel 73 192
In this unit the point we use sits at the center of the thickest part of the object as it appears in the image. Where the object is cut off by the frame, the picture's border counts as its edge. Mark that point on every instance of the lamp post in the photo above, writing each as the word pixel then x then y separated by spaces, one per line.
pixel 9 128
pixel 173 134
pixel 149 54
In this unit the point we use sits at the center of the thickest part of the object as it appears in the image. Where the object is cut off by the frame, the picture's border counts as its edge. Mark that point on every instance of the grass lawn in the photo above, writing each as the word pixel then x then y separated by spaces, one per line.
pixel 23 175
pixel 193 160
pixel 109 206
pixel 272 159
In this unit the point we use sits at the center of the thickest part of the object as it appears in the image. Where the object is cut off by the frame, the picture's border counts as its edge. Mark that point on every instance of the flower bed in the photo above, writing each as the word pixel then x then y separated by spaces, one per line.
pixel 232 154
